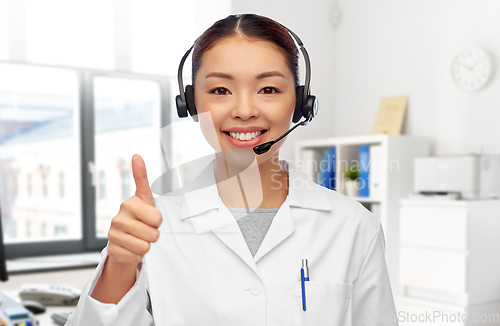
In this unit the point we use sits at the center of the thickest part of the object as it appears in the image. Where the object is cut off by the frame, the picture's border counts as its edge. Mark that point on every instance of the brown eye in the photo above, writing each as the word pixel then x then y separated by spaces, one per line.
pixel 269 90
pixel 221 91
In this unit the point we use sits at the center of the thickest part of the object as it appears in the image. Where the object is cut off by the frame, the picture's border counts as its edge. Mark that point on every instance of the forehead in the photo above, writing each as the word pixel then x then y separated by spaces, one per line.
pixel 240 56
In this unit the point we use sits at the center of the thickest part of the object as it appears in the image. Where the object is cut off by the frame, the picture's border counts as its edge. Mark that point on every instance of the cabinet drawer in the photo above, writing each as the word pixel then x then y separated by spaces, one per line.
pixel 440 270
pixel 431 226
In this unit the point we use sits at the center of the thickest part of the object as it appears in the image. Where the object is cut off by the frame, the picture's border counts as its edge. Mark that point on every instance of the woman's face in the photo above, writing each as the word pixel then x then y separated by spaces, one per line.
pixel 246 86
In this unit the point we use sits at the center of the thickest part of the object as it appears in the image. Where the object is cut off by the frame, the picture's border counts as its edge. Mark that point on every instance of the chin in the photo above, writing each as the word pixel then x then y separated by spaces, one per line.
pixel 238 157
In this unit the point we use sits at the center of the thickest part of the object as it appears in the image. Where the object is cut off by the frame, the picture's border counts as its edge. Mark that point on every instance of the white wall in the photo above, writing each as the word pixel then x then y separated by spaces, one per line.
pixel 392 47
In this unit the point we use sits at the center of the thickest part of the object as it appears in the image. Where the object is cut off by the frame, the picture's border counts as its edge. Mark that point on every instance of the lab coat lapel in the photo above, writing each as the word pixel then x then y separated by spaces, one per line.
pixel 281 228
pixel 202 204
pixel 303 192
pixel 225 227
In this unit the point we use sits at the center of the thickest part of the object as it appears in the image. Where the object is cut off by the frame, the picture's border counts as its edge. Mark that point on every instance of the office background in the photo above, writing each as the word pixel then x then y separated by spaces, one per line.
pixel 389 47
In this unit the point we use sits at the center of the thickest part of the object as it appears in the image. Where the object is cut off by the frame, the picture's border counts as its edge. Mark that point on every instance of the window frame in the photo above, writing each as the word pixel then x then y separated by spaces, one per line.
pixel 89 241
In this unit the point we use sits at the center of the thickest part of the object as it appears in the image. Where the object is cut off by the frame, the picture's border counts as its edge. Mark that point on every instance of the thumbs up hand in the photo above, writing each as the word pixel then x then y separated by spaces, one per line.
pixel 135 226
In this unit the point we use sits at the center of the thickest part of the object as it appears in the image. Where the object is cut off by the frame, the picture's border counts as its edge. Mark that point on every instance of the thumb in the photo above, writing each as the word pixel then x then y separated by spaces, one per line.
pixel 141 180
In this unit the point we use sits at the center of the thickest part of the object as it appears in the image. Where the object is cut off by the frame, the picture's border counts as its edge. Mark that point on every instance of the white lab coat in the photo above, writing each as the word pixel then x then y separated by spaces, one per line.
pixel 201 272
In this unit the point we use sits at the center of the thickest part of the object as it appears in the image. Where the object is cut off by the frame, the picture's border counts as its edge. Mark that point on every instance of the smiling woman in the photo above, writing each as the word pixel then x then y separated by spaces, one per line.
pixel 245 78
pixel 245 86
pixel 184 258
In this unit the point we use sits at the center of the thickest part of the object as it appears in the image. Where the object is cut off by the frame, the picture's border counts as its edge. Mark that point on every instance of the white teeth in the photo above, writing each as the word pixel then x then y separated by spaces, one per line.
pixel 245 136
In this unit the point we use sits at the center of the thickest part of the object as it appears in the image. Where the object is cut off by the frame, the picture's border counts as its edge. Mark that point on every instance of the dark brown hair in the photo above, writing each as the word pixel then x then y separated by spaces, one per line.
pixel 251 26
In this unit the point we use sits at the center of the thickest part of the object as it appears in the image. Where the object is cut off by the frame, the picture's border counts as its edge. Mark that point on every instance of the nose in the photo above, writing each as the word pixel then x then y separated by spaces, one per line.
pixel 245 107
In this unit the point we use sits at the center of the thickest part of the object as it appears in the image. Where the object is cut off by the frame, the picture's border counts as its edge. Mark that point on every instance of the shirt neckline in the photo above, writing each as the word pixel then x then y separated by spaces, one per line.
pixel 239 209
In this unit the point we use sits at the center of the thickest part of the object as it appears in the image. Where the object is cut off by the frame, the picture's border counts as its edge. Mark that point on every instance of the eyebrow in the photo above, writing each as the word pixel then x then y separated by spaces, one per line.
pixel 219 74
pixel 259 76
pixel 270 74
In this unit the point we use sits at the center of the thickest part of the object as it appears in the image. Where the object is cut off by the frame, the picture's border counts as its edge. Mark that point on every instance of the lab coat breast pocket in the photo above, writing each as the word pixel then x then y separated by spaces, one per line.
pixel 327 303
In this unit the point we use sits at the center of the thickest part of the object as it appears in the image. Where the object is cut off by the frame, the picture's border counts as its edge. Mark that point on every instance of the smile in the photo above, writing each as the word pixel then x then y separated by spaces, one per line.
pixel 247 139
pixel 245 136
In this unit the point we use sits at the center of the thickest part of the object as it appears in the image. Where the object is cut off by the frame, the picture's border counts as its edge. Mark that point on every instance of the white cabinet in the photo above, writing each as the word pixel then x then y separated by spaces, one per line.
pixel 450 255
pixel 435 226
pixel 444 270
pixel 393 161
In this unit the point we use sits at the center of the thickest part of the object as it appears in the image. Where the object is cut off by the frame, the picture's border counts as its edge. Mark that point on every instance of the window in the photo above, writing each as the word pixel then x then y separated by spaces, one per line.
pixel 44 229
pixel 127 118
pixel 61 126
pixel 61 184
pixel 39 119
pixel 102 185
pixel 28 186
pixel 14 185
pixel 28 229
pixel 125 176
pixel 58 229
pixel 45 186
pixel 42 127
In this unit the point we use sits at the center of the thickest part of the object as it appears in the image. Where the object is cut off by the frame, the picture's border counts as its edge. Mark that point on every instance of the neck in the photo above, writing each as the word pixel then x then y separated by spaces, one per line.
pixel 260 185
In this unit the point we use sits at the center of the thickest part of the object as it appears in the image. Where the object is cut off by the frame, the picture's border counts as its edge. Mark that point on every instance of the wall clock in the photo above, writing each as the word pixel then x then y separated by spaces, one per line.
pixel 471 69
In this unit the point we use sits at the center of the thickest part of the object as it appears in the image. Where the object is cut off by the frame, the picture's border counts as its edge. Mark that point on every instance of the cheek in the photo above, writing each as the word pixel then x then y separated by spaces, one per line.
pixel 284 112
pixel 209 125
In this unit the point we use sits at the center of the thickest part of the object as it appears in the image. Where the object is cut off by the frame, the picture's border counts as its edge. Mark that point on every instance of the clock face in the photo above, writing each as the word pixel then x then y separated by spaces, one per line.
pixel 471 69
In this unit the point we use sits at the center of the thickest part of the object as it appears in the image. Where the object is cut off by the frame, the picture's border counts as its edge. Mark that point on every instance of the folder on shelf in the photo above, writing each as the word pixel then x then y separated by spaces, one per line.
pixel 322 166
pixel 331 168
pixel 326 175
pixel 364 171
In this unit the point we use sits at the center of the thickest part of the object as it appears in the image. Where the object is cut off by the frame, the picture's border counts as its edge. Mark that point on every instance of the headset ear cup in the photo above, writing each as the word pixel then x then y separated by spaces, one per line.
pixel 310 109
pixel 181 107
pixel 297 114
pixel 191 107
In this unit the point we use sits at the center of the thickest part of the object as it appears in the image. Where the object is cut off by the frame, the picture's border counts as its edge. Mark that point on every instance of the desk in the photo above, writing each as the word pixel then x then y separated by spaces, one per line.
pixel 76 278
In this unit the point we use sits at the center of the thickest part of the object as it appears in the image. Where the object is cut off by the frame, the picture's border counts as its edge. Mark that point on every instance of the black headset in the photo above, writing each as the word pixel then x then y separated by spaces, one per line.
pixel 306 105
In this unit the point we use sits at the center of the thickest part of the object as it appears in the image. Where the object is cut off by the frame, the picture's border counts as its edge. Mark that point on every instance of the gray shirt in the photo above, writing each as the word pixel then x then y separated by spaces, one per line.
pixel 254 225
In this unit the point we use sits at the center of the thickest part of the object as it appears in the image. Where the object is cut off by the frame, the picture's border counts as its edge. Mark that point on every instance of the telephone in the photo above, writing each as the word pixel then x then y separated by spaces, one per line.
pixel 50 295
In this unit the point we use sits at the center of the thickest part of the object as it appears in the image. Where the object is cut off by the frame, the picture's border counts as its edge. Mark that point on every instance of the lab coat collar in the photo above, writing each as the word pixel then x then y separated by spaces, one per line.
pixel 202 194
pixel 202 204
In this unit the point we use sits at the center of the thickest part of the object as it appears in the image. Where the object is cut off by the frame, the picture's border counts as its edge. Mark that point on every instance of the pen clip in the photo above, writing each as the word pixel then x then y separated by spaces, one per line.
pixel 305 267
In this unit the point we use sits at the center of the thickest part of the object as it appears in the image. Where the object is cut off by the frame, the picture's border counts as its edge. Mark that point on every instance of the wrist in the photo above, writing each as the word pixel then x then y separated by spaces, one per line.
pixel 121 266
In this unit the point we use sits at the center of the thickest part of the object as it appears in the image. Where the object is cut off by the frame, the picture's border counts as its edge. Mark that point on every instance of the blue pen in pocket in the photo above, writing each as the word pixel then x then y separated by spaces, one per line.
pixel 304 276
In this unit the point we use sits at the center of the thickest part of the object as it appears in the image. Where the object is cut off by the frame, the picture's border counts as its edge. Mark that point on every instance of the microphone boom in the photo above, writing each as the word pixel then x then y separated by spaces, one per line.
pixel 263 148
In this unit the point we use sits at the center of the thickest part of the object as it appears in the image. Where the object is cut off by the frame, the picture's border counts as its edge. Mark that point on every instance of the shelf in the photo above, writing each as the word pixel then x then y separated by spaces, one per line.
pixel 396 155
pixel 351 140
pixel 367 200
